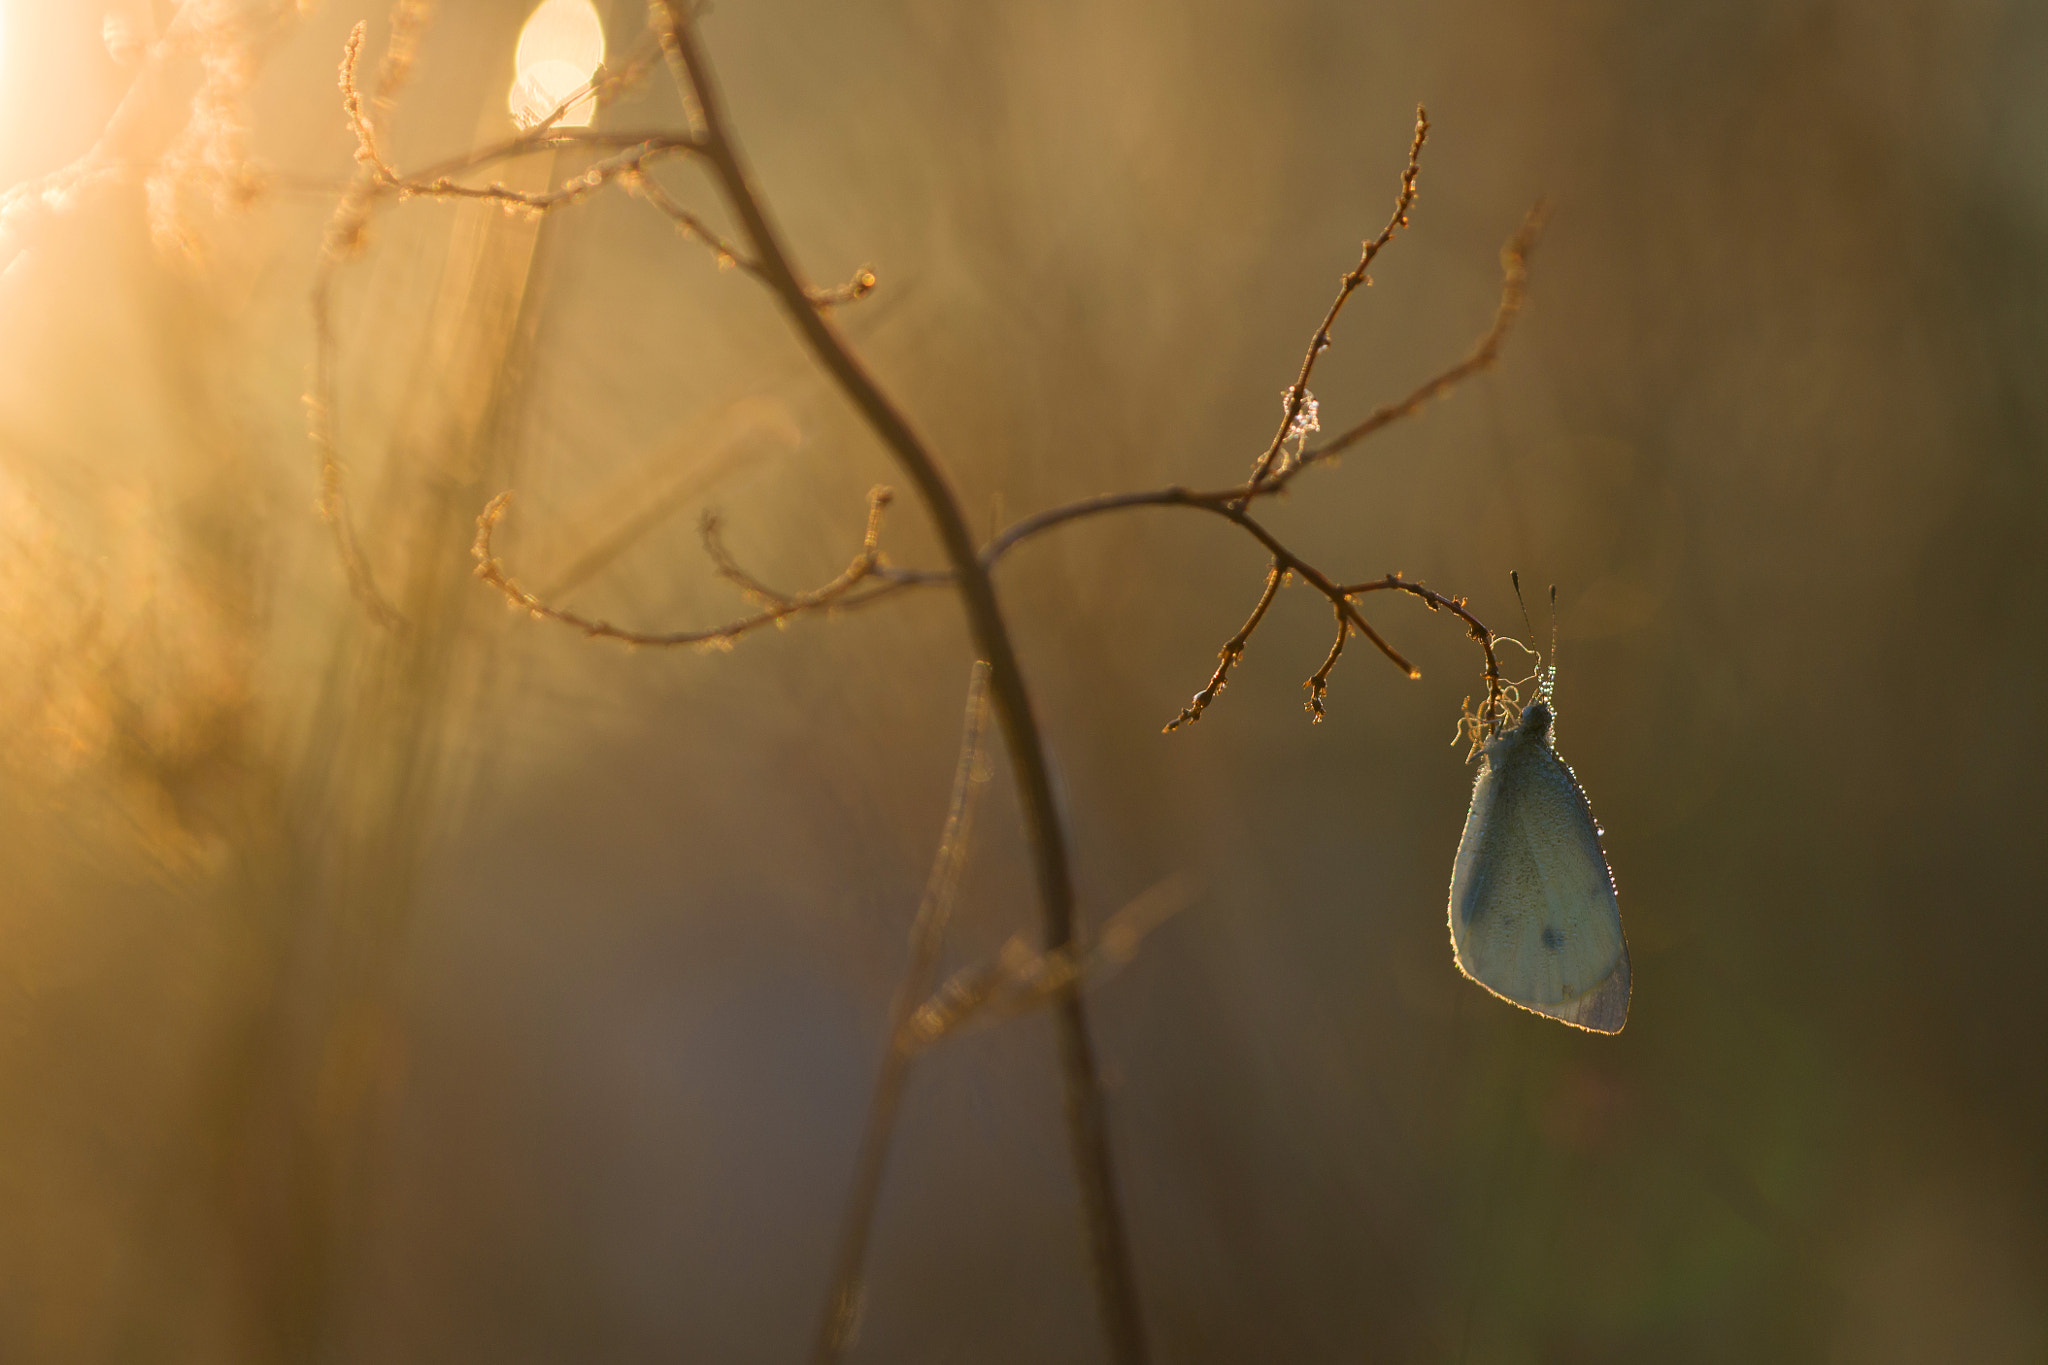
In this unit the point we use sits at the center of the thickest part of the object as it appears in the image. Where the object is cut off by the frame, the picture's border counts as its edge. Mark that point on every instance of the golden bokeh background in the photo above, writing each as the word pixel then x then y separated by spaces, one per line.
pixel 490 994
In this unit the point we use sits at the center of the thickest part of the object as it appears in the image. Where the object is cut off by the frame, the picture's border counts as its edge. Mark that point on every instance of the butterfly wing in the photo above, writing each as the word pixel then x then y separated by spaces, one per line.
pixel 1533 913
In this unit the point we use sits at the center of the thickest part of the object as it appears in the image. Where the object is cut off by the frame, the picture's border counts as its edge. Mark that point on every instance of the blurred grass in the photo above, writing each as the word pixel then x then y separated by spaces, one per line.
pixel 492 995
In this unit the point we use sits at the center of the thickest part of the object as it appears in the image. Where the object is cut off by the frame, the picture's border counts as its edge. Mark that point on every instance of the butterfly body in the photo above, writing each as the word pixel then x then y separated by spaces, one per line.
pixel 1533 913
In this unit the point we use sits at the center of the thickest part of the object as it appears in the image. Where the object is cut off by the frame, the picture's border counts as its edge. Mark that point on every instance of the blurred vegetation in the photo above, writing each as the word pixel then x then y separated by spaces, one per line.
pixel 485 993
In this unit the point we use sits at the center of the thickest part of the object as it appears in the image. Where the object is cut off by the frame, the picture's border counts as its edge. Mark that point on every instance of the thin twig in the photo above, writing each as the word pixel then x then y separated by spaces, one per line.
pixel 694 227
pixel 377 181
pixel 765 257
pixel 354 106
pixel 1318 684
pixel 711 529
pixel 1514 260
pixel 1493 713
pixel 532 142
pixel 344 237
pixel 1297 396
pixel 1484 353
pixel 1087 1116
pixel 1230 503
pixel 627 166
pixel 334 500
pixel 840 594
pixel 1219 504
pixel 1232 651
pixel 1018 980
pixel 927 935
pixel 1321 582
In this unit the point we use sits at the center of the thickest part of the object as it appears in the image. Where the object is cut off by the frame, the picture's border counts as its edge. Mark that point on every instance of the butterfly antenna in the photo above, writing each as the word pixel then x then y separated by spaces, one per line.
pixel 1550 671
pixel 1515 577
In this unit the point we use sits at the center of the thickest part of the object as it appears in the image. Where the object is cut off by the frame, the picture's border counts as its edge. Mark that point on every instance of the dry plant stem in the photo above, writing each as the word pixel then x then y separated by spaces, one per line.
pixel 1222 504
pixel 1087 1122
pixel 1019 979
pixel 766 259
pixel 334 500
pixel 1514 261
pixel 1227 503
pixel 712 530
pixel 1491 714
pixel 1232 651
pixel 1269 479
pixel 692 226
pixel 1297 396
pixel 377 182
pixel 842 593
pixel 927 935
pixel 345 230
pixel 1514 292
pixel 625 165
pixel 554 139
pixel 1318 684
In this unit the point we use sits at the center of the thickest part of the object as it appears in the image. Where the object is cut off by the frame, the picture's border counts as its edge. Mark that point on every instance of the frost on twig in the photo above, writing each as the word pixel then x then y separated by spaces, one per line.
pixel 1302 422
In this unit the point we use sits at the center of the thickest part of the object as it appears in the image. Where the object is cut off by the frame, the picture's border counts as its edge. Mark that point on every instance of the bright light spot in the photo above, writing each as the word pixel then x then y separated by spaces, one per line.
pixel 560 48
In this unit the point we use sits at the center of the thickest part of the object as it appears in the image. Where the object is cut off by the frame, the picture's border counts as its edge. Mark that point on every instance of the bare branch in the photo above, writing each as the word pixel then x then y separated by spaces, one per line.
pixel 694 227
pixel 1087 1117
pixel 1297 396
pixel 353 106
pixel 1232 651
pixel 927 935
pixel 1223 504
pixel 1230 503
pixel 1172 496
pixel 842 593
pixel 711 530
pixel 1318 684
pixel 334 500
pixel 377 181
pixel 1485 352
pixel 627 167
pixel 534 142
pixel 1019 980
pixel 1514 260
pixel 1494 713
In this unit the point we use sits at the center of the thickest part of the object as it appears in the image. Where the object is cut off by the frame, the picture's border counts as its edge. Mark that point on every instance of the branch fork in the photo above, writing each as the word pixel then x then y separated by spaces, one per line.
pixel 1019 977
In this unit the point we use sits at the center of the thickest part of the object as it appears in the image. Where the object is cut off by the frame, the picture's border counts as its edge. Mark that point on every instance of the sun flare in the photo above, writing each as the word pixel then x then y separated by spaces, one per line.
pixel 560 48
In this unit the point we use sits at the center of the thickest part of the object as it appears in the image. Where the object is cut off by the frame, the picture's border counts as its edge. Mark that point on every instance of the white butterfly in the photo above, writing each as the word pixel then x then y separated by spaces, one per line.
pixel 1533 913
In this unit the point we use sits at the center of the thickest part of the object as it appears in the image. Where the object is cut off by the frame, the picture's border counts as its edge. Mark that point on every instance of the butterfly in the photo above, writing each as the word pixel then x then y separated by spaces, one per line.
pixel 1533 913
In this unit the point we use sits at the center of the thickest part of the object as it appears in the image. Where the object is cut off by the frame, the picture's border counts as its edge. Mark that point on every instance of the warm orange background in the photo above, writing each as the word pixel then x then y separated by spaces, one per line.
pixel 501 996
